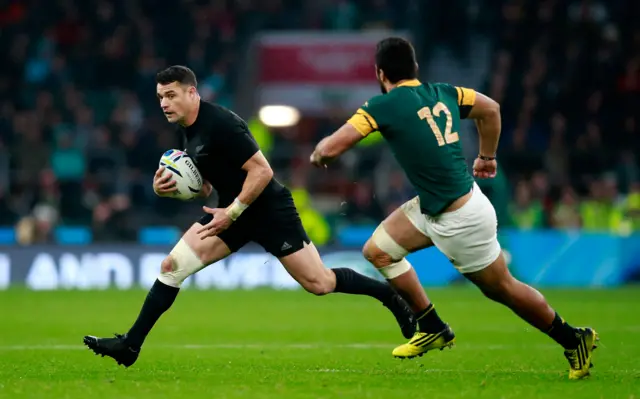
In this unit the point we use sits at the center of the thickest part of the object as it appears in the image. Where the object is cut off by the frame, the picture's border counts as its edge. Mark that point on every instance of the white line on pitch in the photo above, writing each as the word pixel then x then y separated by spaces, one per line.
pixel 469 371
pixel 282 346
pixel 525 328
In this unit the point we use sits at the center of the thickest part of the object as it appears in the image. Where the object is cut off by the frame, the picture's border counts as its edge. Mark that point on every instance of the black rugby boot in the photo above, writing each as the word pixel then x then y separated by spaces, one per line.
pixel 115 348
pixel 403 314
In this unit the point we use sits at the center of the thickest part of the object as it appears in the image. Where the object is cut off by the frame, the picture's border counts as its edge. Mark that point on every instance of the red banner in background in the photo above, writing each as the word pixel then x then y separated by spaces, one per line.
pixel 312 71
pixel 318 63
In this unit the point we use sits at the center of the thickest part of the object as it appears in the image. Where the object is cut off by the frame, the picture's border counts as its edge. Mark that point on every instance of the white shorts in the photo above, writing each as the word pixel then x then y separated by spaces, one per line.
pixel 467 236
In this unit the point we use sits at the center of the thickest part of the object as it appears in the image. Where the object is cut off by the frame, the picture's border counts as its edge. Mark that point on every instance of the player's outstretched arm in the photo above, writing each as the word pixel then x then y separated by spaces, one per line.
pixel 486 113
pixel 359 126
pixel 333 146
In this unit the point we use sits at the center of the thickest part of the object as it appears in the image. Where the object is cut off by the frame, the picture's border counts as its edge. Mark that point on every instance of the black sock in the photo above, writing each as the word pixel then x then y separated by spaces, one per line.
pixel 563 333
pixel 159 300
pixel 349 281
pixel 429 321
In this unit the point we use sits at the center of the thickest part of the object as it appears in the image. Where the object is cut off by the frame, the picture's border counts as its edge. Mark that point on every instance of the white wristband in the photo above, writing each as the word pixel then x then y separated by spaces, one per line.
pixel 235 209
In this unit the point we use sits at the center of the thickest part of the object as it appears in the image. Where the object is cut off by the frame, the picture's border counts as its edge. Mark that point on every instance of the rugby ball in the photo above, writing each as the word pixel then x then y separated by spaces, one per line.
pixel 185 173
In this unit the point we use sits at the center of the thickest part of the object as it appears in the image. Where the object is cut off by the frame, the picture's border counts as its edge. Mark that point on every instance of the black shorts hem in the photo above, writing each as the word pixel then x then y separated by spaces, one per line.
pixel 280 233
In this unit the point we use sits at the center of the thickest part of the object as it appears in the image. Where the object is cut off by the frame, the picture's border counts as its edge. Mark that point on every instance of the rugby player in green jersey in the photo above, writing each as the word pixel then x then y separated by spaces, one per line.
pixel 420 122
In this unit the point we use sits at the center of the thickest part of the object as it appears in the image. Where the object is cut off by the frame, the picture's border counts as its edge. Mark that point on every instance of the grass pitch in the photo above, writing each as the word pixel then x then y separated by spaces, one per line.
pixel 268 344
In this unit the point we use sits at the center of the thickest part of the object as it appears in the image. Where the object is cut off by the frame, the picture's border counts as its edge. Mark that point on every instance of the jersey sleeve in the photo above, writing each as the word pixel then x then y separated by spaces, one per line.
pixel 466 100
pixel 367 118
pixel 237 143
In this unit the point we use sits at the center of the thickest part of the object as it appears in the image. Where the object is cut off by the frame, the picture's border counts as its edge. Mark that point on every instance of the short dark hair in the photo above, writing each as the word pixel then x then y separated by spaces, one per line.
pixel 397 59
pixel 177 73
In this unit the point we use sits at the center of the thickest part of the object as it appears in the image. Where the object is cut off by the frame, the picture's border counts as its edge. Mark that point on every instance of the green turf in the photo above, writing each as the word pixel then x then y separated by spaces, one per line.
pixel 266 344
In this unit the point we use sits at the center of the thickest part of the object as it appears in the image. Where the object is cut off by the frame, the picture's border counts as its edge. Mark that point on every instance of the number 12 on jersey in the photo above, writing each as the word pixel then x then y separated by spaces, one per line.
pixel 429 114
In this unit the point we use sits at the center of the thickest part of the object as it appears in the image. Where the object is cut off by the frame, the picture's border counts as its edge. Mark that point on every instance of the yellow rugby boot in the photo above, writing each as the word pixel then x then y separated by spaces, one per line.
pixel 423 342
pixel 580 358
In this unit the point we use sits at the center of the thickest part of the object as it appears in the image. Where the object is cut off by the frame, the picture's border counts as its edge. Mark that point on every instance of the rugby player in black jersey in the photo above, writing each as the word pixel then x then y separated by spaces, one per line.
pixel 253 207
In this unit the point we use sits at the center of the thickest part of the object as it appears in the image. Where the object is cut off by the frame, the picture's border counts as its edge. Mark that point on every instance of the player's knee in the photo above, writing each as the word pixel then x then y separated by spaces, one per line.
pixel 375 255
pixel 170 273
pixel 180 264
pixel 167 265
pixel 382 250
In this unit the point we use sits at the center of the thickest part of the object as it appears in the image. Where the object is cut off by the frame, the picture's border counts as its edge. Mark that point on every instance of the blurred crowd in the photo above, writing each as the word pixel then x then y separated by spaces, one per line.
pixel 81 132
pixel 567 75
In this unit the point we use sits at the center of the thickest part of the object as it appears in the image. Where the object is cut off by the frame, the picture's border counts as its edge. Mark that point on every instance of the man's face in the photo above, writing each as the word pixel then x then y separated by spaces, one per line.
pixel 175 100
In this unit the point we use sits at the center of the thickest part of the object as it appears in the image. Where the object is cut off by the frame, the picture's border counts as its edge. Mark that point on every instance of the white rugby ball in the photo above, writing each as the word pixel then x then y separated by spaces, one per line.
pixel 185 173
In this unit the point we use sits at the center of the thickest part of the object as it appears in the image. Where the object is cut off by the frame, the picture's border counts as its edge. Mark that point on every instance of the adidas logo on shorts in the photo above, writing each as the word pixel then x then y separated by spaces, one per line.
pixel 285 246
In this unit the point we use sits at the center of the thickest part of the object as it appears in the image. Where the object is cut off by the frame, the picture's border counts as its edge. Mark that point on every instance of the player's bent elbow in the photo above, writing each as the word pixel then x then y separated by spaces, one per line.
pixel 494 110
pixel 484 108
pixel 267 172
pixel 262 172
pixel 490 112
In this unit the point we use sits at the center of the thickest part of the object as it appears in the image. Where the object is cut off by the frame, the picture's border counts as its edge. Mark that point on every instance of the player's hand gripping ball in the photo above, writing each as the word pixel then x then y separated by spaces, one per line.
pixel 177 176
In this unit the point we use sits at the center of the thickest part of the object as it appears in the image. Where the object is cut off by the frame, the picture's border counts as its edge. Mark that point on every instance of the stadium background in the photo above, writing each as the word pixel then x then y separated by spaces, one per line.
pixel 81 134
pixel 81 131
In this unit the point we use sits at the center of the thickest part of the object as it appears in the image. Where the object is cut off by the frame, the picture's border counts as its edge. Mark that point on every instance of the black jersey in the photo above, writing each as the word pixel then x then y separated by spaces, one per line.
pixel 220 143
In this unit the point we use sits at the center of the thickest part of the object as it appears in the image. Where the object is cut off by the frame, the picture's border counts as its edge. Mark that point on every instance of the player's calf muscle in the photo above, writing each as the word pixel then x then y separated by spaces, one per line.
pixel 321 284
pixel 497 284
pixel 306 267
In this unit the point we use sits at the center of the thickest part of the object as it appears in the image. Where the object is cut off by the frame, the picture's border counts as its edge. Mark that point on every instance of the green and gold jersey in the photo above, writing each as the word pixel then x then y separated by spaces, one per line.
pixel 421 124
